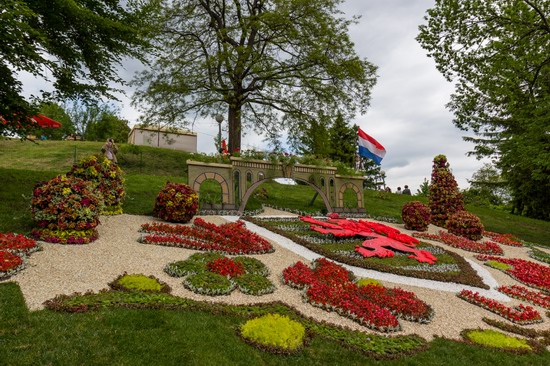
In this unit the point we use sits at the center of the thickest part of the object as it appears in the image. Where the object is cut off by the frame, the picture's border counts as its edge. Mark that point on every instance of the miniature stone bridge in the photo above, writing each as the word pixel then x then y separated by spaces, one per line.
pixel 241 177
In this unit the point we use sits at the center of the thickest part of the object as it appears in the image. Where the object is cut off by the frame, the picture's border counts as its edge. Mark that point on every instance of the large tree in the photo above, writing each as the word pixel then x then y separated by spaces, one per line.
pixel 75 44
pixel 268 63
pixel 497 53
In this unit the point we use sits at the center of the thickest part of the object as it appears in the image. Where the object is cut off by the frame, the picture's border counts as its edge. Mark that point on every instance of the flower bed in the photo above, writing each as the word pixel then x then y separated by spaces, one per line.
pixel 343 250
pixel 213 274
pixel 522 293
pixel 17 244
pixel 10 264
pixel 330 287
pixel 506 239
pixel 176 203
pixel 66 210
pixel 521 314
pixel 230 238
pixel 529 273
pixel 459 242
pixel 107 179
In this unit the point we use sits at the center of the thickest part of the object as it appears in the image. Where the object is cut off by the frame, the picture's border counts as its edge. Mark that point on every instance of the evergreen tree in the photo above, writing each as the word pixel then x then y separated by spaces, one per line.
pixel 343 141
pixel 445 199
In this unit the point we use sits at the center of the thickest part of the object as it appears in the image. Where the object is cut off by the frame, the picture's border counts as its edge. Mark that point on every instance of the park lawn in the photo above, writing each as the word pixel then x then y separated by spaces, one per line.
pixel 191 337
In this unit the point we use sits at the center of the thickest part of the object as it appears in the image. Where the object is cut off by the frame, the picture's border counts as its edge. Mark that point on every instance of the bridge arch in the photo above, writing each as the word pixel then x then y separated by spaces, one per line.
pixel 344 188
pixel 218 178
pixel 253 187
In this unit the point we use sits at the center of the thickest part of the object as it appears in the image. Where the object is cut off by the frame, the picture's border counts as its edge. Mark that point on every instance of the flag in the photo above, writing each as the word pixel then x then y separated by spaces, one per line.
pixel 370 148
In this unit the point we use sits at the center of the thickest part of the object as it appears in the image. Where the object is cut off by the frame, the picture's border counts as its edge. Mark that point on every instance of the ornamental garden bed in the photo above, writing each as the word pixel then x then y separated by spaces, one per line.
pixel 450 267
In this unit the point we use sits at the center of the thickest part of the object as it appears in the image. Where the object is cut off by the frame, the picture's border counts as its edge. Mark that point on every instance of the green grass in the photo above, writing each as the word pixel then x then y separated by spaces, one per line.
pixel 117 336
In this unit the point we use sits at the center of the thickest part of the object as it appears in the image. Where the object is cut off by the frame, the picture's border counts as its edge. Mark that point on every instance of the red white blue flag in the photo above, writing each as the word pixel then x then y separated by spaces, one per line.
pixel 370 148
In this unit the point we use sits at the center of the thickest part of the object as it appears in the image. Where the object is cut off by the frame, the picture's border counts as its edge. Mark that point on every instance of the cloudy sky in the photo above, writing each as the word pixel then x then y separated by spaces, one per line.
pixel 407 113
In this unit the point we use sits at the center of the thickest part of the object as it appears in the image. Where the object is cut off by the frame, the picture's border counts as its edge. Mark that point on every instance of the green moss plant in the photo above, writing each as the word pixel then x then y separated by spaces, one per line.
pixel 498 265
pixel 139 282
pixel 492 338
pixel 275 333
pixel 368 281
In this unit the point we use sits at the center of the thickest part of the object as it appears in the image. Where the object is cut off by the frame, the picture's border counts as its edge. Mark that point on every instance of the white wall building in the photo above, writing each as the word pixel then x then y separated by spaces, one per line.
pixel 168 138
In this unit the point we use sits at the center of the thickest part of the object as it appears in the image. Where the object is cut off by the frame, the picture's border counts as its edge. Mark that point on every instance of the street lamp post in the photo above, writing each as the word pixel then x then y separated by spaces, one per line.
pixel 219 119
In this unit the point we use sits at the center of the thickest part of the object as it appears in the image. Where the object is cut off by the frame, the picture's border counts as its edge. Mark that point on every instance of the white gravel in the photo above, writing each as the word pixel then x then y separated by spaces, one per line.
pixel 65 269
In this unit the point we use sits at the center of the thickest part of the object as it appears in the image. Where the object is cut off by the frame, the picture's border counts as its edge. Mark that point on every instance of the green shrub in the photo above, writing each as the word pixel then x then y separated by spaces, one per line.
pixel 139 282
pixel 204 257
pixel 275 332
pixel 498 265
pixel 367 282
pixel 416 216
pixel 253 265
pixel 254 284
pixel 176 203
pixel 208 283
pixel 444 198
pixel 465 224
pixel 184 268
pixel 492 338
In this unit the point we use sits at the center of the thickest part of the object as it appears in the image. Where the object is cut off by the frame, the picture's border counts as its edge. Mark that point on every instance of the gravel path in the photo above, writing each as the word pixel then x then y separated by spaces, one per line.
pixel 65 269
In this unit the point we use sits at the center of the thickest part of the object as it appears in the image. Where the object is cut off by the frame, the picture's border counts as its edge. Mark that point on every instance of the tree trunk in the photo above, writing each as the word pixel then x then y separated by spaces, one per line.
pixel 234 121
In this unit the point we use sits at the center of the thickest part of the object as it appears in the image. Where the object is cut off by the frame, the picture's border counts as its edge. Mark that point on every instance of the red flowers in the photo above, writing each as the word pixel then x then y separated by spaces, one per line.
pixel 329 286
pixel 506 239
pixel 463 243
pixel 522 293
pixel 13 248
pixel 176 203
pixel 530 273
pixel 226 267
pixel 231 238
pixel 17 243
pixel 521 314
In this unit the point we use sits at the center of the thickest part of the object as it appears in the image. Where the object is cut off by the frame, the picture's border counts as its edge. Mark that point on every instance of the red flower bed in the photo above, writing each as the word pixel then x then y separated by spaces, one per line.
pixel 521 314
pixel 530 273
pixel 17 243
pixel 522 293
pixel 226 267
pixel 231 238
pixel 9 264
pixel 463 243
pixel 330 287
pixel 506 239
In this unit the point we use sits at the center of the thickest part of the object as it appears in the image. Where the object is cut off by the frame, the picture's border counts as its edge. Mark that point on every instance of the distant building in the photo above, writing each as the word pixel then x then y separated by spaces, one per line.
pixel 168 138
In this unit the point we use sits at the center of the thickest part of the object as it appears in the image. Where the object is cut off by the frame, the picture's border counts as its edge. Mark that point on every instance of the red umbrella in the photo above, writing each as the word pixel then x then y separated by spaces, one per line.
pixel 44 121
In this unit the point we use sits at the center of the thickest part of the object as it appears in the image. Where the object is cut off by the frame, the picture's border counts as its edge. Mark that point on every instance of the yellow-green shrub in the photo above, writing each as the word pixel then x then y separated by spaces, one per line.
pixel 492 338
pixel 274 330
pixel 368 281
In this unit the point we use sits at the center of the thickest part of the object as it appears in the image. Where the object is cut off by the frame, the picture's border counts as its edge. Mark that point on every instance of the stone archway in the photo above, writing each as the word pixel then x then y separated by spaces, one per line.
pixel 344 188
pixel 253 187
pixel 218 178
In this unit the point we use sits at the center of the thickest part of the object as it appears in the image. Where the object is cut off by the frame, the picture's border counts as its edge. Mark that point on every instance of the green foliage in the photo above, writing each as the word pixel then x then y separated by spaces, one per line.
pixel 343 141
pixel 539 255
pixel 487 187
pixel 274 330
pixel 76 45
pixel 496 54
pixel 465 224
pixel 498 265
pixel 208 283
pixel 492 338
pixel 139 282
pixel 264 63
pixel 57 113
pixel 254 284
pixel 107 126
pixel 253 265
pixel 416 216
pixel 424 189
pixel 368 282
pixel 445 198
